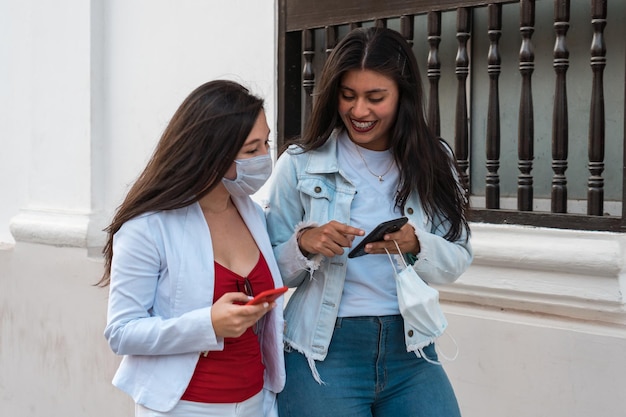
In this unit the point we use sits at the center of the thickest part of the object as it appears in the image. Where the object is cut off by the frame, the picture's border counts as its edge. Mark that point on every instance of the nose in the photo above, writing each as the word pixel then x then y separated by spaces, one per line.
pixel 360 109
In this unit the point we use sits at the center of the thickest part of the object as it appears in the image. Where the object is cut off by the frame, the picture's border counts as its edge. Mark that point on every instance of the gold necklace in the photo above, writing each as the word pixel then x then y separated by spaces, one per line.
pixel 380 177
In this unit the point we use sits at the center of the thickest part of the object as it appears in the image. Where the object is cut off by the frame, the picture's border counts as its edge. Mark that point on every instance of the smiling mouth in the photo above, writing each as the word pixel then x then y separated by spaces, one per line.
pixel 362 127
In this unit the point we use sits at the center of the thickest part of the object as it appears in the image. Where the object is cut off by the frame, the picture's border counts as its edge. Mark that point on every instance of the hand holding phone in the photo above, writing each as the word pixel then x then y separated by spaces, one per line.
pixel 377 234
pixel 267 296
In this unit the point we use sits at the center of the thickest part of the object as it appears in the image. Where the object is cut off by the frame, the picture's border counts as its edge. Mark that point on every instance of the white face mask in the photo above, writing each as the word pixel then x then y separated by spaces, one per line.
pixel 419 306
pixel 252 173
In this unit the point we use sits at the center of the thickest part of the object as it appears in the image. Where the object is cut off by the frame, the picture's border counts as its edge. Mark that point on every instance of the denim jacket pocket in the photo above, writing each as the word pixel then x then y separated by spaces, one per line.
pixel 318 196
pixel 316 187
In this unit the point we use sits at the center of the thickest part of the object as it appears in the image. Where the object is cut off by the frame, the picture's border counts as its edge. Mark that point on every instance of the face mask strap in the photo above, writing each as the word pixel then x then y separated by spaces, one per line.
pixel 404 264
pixel 456 348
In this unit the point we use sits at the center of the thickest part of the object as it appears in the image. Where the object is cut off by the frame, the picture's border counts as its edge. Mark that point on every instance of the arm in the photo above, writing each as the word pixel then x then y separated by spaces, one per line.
pixel 439 260
pixel 135 323
pixel 285 214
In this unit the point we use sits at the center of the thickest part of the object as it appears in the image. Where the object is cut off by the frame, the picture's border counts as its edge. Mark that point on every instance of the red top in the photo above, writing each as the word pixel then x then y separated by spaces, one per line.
pixel 236 373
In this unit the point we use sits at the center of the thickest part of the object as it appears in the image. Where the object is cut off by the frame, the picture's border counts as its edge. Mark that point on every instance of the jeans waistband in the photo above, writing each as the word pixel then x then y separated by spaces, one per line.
pixel 369 319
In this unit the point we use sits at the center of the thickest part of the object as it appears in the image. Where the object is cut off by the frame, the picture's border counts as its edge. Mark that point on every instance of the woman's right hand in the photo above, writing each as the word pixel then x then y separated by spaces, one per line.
pixel 231 319
pixel 329 239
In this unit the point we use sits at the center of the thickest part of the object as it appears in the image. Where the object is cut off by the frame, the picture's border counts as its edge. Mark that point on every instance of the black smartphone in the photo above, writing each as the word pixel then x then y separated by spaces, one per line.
pixel 377 234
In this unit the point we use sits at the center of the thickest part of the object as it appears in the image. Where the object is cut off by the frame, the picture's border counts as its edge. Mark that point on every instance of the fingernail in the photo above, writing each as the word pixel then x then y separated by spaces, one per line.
pixel 266 305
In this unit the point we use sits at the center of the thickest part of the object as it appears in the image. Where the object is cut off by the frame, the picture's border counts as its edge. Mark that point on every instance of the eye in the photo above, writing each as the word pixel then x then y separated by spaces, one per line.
pixel 376 99
pixel 257 149
pixel 347 97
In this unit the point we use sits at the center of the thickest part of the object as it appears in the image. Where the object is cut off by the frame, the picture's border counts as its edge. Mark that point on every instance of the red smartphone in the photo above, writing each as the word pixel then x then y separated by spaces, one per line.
pixel 268 296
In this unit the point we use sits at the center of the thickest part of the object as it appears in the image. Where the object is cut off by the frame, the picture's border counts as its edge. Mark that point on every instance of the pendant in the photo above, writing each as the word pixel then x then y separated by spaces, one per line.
pixel 380 178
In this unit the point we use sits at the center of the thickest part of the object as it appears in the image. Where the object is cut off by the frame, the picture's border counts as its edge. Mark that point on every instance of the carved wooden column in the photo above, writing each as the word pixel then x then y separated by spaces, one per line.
pixel 560 130
pixel 492 181
pixel 434 71
pixel 526 116
pixel 595 191
pixel 308 76
pixel 354 25
pixel 407 28
pixel 461 131
pixel 331 39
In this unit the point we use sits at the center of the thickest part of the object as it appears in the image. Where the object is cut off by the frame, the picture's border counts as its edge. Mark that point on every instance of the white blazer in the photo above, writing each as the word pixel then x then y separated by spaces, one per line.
pixel 160 297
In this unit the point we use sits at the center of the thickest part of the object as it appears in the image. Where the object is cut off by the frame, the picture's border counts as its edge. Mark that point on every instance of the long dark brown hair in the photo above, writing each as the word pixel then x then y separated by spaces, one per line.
pixel 196 149
pixel 426 163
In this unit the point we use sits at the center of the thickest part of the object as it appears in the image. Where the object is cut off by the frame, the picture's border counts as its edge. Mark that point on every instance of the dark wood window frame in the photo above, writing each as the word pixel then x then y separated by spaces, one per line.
pixel 299 18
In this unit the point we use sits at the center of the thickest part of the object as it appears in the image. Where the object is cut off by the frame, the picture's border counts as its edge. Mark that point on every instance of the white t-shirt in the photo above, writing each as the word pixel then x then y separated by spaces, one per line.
pixel 370 288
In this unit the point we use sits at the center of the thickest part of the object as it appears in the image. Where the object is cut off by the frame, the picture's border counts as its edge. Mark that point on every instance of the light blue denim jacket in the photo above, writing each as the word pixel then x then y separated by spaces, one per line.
pixel 309 189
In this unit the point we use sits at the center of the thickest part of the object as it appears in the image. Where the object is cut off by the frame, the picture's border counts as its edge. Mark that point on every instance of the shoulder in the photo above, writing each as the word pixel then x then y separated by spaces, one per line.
pixel 329 145
pixel 156 222
pixel 162 215
pixel 293 157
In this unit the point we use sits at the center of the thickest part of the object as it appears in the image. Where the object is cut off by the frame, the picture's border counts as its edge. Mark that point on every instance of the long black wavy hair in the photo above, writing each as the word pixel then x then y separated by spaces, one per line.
pixel 196 149
pixel 426 163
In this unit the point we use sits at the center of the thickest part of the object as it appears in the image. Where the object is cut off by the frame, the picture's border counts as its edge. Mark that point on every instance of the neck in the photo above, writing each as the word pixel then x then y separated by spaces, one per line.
pixel 216 202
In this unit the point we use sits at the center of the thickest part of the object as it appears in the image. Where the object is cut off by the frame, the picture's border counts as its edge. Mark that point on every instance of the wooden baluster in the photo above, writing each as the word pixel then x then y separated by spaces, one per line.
pixel 595 191
pixel 560 132
pixel 354 25
pixel 380 23
pixel 434 71
pixel 331 38
pixel 308 76
pixel 526 116
pixel 407 28
pixel 623 219
pixel 461 131
pixel 492 181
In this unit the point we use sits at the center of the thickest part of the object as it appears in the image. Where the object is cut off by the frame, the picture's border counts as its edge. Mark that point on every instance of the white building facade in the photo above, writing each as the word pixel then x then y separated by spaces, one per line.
pixel 88 87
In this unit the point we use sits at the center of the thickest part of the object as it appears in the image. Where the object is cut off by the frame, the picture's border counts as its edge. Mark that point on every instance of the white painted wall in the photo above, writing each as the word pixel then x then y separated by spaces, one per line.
pixel 91 86
pixel 87 88
pixel 54 360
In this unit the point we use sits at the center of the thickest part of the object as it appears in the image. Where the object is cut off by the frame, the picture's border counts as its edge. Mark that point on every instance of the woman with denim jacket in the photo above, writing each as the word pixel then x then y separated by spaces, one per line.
pixel 185 251
pixel 366 156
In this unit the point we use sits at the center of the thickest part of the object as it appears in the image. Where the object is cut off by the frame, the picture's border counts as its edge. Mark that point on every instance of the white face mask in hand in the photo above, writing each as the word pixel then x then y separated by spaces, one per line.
pixel 419 306
pixel 252 173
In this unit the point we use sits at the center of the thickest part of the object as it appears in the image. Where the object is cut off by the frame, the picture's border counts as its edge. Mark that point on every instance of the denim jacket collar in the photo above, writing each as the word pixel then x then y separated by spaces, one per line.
pixel 324 160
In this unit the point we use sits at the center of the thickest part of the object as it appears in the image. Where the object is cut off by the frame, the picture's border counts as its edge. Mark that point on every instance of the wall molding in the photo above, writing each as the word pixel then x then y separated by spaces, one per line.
pixel 574 274
pixel 53 228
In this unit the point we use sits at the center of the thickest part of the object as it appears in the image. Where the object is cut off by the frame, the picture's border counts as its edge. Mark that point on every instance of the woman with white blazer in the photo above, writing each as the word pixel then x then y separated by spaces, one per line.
pixel 185 251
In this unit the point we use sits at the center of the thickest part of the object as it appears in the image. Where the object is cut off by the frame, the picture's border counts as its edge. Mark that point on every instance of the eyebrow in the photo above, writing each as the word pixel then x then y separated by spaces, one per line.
pixel 256 140
pixel 375 90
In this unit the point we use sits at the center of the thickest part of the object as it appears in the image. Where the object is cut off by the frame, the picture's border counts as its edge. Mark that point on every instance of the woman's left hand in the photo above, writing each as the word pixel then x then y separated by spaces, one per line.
pixel 405 238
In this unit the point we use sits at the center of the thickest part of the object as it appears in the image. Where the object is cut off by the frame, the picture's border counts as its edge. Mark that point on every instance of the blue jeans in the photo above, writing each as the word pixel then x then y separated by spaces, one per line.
pixel 368 373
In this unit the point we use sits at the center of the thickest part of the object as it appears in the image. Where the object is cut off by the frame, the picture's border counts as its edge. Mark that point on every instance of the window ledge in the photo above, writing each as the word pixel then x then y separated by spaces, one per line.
pixel 553 271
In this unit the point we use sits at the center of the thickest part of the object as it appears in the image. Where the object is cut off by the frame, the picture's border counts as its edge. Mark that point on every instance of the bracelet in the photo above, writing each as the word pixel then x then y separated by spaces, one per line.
pixel 298 235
